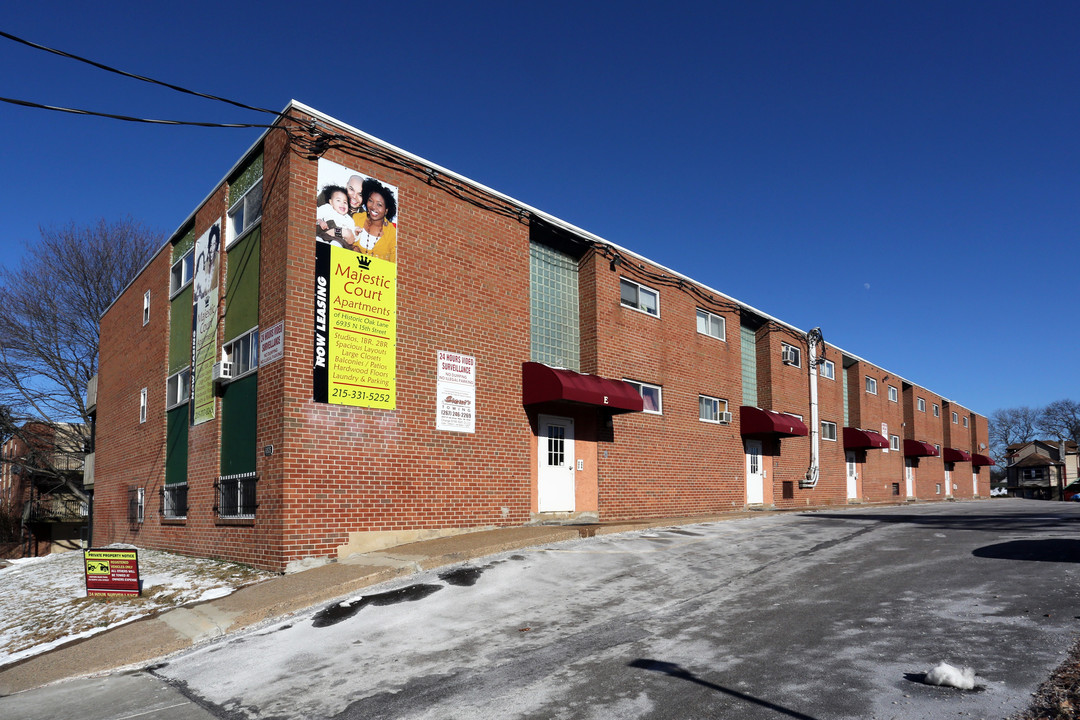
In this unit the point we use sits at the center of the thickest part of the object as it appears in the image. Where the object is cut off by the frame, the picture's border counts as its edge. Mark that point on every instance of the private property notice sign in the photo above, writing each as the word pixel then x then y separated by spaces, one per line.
pixel 111 573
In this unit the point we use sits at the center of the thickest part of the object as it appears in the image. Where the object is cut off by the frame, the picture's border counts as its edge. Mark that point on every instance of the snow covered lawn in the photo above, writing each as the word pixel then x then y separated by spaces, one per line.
pixel 43 600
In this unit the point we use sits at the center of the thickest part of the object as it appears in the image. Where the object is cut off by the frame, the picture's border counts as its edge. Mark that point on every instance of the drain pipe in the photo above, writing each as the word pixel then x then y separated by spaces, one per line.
pixel 813 339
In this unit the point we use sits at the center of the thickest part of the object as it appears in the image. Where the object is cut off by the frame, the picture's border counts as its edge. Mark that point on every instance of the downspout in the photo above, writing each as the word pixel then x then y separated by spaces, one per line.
pixel 813 338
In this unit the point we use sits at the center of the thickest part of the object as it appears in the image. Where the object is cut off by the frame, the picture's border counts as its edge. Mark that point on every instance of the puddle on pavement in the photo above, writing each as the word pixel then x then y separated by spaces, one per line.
pixel 343 611
pixel 462 577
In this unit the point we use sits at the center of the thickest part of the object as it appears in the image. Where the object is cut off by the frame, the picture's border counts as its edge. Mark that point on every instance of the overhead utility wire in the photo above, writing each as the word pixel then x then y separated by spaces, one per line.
pixel 128 118
pixel 102 66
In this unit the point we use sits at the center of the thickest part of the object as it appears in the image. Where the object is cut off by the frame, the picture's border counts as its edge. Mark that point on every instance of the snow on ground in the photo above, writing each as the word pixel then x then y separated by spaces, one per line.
pixel 43 600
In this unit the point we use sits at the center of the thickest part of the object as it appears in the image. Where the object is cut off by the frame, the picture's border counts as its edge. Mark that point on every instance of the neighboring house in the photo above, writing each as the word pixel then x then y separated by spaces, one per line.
pixel 41 468
pixel 1039 469
pixel 277 390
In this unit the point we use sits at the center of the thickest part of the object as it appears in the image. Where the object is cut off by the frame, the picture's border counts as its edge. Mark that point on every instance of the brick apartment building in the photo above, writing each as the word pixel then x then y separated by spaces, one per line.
pixel 287 382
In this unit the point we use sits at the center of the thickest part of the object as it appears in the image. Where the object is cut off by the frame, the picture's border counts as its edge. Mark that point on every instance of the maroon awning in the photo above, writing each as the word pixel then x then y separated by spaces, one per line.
pixel 855 438
pixel 540 384
pixel 977 459
pixel 917 448
pixel 954 455
pixel 755 421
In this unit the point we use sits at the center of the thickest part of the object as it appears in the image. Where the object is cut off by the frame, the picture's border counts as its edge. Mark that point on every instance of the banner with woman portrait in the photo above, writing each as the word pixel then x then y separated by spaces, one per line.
pixel 355 237
pixel 204 351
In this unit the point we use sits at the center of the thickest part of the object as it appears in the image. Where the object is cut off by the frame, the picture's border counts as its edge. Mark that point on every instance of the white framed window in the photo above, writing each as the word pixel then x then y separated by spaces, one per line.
pixel 245 213
pixel 794 415
pixel 828 430
pixel 827 369
pixel 713 410
pixel 894 442
pixel 938 448
pixel 871 385
pixel 955 418
pixel 142 405
pixel 146 307
pixel 790 355
pixel 965 421
pixel 937 488
pixel 178 389
pixel 894 394
pixel 937 410
pixel 651 395
pixel 136 505
pixel 711 324
pixel 922 405
pixel 242 353
pixel 182 272
pixel 639 297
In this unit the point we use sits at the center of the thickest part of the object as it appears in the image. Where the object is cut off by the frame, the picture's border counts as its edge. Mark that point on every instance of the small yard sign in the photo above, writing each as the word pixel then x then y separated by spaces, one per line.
pixel 111 573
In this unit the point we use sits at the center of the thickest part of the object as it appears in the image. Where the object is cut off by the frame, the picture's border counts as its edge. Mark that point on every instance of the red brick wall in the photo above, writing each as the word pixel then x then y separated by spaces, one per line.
pixel 923 426
pixel 669 464
pixel 879 470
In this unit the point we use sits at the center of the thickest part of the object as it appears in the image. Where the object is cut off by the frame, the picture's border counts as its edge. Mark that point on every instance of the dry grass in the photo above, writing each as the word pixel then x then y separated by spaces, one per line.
pixel 1059 697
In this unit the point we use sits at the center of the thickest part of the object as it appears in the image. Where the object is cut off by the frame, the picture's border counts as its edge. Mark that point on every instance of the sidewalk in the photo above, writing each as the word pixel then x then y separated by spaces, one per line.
pixel 178 629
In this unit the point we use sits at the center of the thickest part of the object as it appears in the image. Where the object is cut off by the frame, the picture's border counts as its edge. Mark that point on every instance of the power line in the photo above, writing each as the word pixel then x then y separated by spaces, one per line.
pixel 128 118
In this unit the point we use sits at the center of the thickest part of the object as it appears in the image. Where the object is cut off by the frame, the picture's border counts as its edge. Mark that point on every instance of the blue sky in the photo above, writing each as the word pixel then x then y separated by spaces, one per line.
pixel 904 175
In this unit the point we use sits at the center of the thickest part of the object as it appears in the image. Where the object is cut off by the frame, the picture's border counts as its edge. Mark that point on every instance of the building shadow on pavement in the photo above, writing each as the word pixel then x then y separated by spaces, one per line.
pixel 1048 550
pixel 677 671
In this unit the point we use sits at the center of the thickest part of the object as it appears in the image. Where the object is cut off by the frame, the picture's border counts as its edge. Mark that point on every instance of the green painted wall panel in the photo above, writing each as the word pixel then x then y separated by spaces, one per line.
pixel 176 448
pixel 239 405
pixel 242 285
pixel 180 330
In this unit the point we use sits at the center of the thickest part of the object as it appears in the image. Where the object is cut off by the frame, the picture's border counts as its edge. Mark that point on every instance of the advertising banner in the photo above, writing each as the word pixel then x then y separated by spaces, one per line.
pixel 204 323
pixel 456 393
pixel 111 572
pixel 354 353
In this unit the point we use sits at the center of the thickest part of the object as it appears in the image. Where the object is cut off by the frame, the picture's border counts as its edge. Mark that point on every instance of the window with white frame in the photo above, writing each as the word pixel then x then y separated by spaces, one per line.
pixel 827 369
pixel 146 308
pixel 922 405
pixel 871 385
pixel 245 212
pixel 790 355
pixel 937 448
pixel 894 394
pixel 937 410
pixel 639 297
pixel 828 430
pixel 136 505
pixel 178 389
pixel 712 409
pixel 894 442
pixel 711 324
pixel 937 488
pixel 651 396
pixel 182 272
pixel 955 418
pixel 142 405
pixel 965 421
pixel 242 353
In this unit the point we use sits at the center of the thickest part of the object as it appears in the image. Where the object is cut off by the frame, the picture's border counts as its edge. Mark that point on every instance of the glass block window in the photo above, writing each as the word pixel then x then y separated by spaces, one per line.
pixel 553 303
pixel 748 346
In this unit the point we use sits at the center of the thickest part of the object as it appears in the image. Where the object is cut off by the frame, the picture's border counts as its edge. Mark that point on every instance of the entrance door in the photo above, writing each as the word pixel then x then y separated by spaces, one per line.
pixel 755 474
pixel 909 476
pixel 974 484
pixel 852 476
pixel 555 480
pixel 948 479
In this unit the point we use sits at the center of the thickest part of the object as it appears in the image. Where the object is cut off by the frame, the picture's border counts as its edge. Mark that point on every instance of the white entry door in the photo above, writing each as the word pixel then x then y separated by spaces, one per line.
pixel 909 476
pixel 948 481
pixel 755 474
pixel 974 484
pixel 555 480
pixel 852 476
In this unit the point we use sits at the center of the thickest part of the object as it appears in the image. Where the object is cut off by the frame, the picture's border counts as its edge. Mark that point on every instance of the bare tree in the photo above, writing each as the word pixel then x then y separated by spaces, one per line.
pixel 51 308
pixel 1060 420
pixel 1009 426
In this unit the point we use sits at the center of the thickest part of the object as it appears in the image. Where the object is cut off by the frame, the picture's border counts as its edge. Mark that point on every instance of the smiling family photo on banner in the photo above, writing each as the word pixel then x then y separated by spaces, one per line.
pixel 355 236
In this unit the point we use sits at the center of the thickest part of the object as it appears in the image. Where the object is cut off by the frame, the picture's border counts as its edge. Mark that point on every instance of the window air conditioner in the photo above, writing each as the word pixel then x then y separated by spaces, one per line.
pixel 222 371
pixel 789 356
pixel 725 417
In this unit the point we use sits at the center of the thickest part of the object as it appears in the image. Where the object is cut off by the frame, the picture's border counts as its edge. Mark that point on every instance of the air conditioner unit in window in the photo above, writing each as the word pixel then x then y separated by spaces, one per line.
pixel 789 356
pixel 725 417
pixel 222 371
